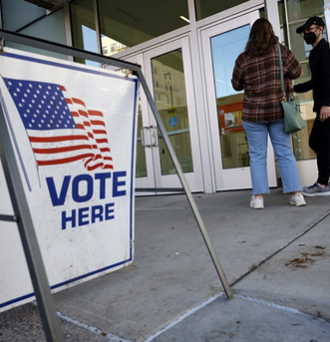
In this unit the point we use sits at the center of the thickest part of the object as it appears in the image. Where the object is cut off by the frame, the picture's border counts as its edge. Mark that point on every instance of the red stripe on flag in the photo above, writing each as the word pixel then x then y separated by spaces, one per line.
pixel 99 131
pixel 56 139
pixel 96 122
pixel 108 166
pixel 102 141
pixel 95 113
pixel 78 101
pixel 60 149
pixel 83 113
pixel 63 160
pixel 106 149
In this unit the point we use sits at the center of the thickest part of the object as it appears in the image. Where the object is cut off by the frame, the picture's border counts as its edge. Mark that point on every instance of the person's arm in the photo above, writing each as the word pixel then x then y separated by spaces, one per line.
pixel 237 79
pixel 294 68
pixel 303 87
pixel 294 71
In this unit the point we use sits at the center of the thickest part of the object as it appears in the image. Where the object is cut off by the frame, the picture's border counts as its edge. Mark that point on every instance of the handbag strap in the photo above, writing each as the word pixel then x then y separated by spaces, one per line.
pixel 281 70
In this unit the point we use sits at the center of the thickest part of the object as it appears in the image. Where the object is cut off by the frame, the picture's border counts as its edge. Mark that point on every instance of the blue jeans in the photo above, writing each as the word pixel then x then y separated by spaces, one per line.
pixel 257 136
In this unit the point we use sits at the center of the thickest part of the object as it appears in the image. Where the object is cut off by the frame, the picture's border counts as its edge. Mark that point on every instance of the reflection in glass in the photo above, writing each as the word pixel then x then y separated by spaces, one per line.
pixel 16 14
pixel 225 49
pixel 300 143
pixel 51 27
pixel 83 28
pixel 128 23
pixel 141 166
pixel 302 10
pixel 171 102
pixel 297 12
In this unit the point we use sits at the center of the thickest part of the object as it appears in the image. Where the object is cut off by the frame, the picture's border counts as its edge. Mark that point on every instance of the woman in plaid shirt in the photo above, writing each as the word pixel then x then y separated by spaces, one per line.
pixel 257 72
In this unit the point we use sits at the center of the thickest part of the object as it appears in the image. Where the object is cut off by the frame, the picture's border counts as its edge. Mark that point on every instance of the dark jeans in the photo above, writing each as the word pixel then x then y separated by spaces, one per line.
pixel 319 142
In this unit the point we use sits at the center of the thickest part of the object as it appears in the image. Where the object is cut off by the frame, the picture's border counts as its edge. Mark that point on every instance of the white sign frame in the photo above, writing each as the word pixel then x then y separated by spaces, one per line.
pixel 14 276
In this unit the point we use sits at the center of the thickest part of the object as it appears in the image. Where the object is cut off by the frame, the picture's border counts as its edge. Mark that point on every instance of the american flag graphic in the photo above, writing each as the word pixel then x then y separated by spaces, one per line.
pixel 61 129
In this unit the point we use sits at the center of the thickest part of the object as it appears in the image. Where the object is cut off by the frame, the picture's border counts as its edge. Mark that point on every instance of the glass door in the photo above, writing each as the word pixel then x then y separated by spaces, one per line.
pixel 221 46
pixel 146 137
pixel 167 70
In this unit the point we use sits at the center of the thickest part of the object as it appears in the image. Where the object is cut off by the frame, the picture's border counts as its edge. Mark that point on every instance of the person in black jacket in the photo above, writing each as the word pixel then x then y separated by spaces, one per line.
pixel 319 139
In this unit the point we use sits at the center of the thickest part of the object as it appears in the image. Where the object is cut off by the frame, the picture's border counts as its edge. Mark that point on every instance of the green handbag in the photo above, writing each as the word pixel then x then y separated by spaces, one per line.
pixel 293 121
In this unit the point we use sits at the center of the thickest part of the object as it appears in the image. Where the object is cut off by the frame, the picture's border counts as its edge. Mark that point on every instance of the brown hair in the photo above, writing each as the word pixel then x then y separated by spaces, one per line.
pixel 261 39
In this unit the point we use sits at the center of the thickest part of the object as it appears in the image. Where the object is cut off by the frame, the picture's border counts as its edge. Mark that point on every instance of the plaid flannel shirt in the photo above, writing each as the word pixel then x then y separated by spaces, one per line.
pixel 259 77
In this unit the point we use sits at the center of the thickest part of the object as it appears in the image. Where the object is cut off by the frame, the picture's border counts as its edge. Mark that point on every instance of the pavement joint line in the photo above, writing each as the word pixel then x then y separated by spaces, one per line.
pixel 279 306
pixel 108 336
pixel 96 331
pixel 184 316
pixel 254 267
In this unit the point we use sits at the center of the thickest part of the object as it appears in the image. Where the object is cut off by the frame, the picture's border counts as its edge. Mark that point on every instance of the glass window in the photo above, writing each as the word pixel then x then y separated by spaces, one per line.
pixel 132 22
pixel 301 10
pixel 225 49
pixel 172 107
pixel 141 166
pixel 83 28
pixel 51 27
pixel 205 8
pixel 297 12
pixel 17 14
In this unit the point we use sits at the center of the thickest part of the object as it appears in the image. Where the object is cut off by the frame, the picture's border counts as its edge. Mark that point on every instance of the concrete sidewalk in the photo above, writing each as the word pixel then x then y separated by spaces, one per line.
pixel 277 260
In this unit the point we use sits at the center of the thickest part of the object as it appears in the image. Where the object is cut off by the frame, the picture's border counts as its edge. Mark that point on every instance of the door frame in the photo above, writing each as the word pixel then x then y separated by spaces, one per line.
pixel 194 178
pixel 154 178
pixel 149 180
pixel 235 178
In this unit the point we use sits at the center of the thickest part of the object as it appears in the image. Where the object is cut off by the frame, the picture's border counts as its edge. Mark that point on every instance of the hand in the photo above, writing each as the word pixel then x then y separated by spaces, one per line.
pixel 324 113
pixel 290 89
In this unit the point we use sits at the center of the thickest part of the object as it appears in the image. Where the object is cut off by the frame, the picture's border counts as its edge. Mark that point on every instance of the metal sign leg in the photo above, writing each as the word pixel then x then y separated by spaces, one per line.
pixel 186 187
pixel 28 236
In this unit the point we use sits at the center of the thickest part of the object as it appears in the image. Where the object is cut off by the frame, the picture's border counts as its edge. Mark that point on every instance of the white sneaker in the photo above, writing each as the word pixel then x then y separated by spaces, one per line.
pixel 257 202
pixel 297 200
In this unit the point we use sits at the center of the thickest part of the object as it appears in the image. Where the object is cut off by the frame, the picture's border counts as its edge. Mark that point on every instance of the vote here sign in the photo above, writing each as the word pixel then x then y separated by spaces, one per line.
pixel 73 128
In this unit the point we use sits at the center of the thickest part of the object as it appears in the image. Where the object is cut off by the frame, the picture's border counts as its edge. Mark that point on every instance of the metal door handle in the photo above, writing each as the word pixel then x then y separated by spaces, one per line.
pixel 154 136
pixel 143 141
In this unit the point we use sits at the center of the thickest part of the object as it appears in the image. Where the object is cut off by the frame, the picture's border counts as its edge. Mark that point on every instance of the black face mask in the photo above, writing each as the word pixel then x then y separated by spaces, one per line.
pixel 310 37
